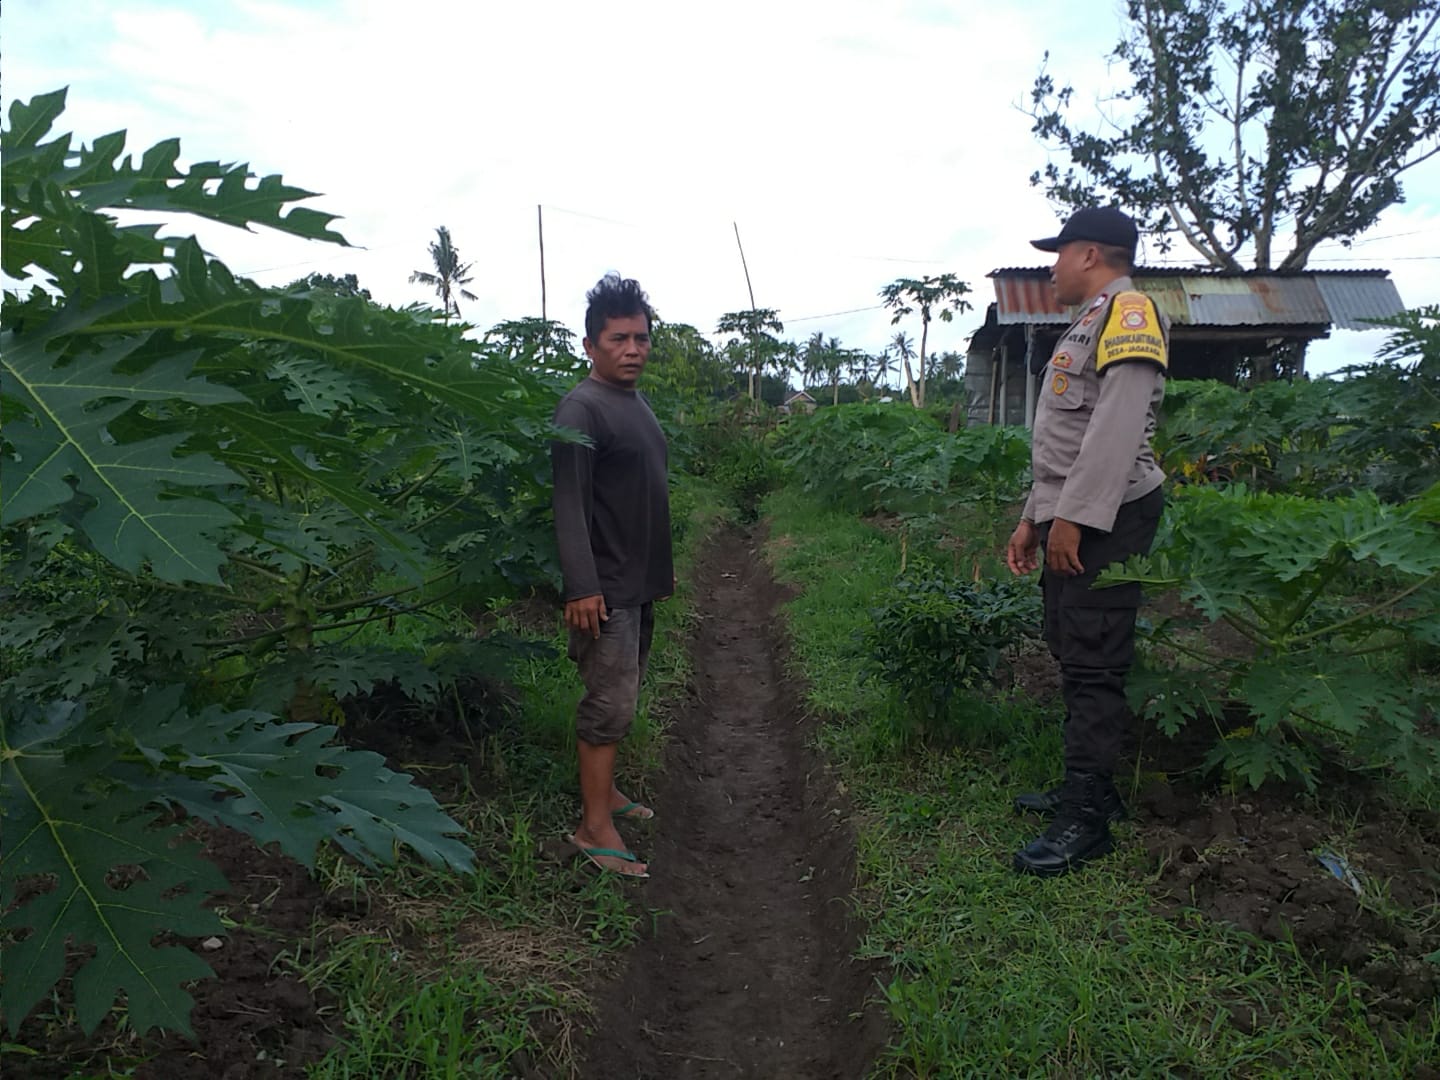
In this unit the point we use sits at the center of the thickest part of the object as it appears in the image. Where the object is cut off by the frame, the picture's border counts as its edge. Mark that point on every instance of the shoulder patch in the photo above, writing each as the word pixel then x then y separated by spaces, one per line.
pixel 1132 332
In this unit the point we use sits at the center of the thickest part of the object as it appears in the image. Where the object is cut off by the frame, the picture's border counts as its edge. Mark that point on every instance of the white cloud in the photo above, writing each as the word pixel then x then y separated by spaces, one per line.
pixel 853 142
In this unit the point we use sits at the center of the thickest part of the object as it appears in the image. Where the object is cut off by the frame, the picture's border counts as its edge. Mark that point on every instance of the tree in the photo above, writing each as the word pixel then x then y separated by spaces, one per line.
pixel 856 363
pixel 812 358
pixel 685 363
pixel 835 360
pixel 934 296
pixel 785 361
pixel 450 276
pixel 946 370
pixel 348 285
pixel 755 329
pixel 904 346
pixel 883 366
pixel 1246 121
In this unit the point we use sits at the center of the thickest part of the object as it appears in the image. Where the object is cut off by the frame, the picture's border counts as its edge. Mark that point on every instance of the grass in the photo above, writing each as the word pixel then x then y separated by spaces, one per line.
pixel 994 974
pixel 485 975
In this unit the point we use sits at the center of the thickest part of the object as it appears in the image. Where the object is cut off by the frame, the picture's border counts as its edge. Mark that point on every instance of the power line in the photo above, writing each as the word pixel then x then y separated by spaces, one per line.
pixel 833 314
pixel 1384 258
pixel 597 217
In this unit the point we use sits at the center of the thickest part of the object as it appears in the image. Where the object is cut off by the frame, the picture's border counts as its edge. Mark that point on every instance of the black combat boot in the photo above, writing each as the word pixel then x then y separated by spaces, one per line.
pixel 1045 803
pixel 1079 833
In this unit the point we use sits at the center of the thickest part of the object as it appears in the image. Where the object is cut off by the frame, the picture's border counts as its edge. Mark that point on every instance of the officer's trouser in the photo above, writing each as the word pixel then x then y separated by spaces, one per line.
pixel 1091 632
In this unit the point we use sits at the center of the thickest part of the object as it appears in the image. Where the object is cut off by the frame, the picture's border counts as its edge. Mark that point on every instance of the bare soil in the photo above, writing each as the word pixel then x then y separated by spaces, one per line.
pixel 748 972
pixel 1253 859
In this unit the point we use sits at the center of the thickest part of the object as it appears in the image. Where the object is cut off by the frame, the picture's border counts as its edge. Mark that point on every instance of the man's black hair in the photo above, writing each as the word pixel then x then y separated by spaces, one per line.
pixel 614 297
pixel 1117 258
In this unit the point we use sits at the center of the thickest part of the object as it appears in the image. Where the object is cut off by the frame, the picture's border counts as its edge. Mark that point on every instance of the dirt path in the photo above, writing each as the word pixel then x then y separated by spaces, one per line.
pixel 749 972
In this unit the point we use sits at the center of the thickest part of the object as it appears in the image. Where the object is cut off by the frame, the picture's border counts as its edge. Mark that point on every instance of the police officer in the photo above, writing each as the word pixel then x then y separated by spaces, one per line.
pixel 1096 500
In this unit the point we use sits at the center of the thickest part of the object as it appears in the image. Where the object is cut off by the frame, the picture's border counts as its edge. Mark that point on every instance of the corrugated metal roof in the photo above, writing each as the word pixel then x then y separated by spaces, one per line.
pixel 1353 301
pixel 1170 297
pixel 1220 298
pixel 1253 301
pixel 1028 300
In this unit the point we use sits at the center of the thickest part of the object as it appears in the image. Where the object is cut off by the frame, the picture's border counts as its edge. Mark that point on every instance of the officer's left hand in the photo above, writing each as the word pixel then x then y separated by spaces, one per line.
pixel 1062 549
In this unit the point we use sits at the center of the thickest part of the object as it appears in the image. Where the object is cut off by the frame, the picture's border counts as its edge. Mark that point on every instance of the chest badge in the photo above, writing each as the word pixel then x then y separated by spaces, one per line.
pixel 1060 383
pixel 1095 309
pixel 1062 360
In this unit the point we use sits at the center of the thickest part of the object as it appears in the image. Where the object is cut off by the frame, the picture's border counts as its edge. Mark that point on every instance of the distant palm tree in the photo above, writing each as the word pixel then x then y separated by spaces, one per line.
pixel 450 276
pixel 949 365
pixel 883 369
pixel 905 352
pixel 858 364
pixel 814 357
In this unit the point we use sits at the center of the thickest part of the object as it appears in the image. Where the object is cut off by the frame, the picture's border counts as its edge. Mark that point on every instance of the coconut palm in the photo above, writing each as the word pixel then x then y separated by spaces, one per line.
pixel 904 346
pixel 450 276
pixel 814 358
pixel 857 366
pixel 883 366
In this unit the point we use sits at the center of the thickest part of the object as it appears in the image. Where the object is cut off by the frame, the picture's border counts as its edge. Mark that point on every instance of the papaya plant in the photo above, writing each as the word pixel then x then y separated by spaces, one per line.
pixel 209 488
pixel 1332 608
pixel 1368 428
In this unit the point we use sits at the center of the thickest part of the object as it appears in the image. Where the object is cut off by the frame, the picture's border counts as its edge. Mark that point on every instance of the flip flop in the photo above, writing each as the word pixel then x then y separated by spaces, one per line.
pixel 591 852
pixel 633 811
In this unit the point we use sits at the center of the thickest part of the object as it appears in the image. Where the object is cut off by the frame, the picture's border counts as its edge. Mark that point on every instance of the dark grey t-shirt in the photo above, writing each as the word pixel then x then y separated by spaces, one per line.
pixel 612 500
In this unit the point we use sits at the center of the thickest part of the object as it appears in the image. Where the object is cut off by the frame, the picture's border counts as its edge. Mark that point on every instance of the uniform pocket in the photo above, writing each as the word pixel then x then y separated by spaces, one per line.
pixel 1065 386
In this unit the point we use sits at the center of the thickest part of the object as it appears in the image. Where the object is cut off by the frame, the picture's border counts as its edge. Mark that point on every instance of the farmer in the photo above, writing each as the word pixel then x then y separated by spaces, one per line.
pixel 1096 500
pixel 612 520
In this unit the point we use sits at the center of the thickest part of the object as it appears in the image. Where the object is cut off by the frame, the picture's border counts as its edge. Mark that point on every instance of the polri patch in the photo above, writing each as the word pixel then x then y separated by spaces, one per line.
pixel 1062 360
pixel 1060 383
pixel 1095 309
pixel 1134 319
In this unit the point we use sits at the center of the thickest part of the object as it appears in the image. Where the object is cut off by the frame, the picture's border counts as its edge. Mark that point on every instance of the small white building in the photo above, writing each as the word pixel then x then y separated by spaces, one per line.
pixel 799 401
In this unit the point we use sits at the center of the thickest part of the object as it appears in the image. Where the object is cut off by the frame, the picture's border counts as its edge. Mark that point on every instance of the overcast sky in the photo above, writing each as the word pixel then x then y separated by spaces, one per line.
pixel 853 141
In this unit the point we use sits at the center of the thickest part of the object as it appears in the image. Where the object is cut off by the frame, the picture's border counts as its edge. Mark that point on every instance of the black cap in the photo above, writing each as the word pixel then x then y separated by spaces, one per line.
pixel 1097 224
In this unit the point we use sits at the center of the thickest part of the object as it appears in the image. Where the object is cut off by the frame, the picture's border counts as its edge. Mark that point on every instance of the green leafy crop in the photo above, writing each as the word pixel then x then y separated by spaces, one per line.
pixel 933 637
pixel 209 488
pixel 1325 605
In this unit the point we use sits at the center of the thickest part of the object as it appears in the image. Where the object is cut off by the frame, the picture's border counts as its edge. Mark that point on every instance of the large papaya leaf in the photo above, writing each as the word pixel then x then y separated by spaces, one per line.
pixel 68 652
pixel 85 863
pixel 289 443
pixel 291 784
pixel 1291 536
pixel 140 513
pixel 343 672
pixel 102 176
pixel 1340 699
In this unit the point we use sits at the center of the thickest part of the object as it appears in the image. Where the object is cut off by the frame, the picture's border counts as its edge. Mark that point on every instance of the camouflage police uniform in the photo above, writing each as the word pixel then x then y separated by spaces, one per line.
pixel 1093 466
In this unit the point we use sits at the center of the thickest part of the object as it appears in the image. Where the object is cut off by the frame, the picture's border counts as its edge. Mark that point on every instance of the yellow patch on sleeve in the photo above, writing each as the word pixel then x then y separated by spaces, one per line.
pixel 1132 332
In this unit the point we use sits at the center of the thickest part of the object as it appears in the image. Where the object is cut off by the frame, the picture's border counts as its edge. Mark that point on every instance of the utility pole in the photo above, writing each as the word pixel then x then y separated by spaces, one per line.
pixel 545 338
pixel 754 389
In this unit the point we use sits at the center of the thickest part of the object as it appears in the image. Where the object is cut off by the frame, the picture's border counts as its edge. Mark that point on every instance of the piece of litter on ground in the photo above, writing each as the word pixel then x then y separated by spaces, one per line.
pixel 211 944
pixel 1340 868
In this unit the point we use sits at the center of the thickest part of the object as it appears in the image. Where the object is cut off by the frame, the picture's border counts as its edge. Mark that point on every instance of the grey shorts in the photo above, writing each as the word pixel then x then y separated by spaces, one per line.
pixel 611 668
